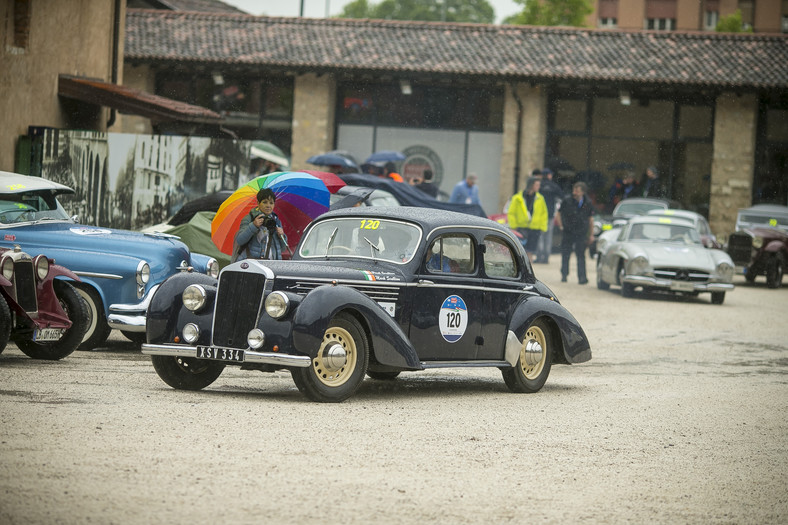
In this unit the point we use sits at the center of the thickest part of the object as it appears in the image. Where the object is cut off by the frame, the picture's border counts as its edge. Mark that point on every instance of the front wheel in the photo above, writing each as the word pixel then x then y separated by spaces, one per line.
pixel 536 358
pixel 77 312
pixel 5 323
pixel 717 297
pixel 600 283
pixel 340 364
pixel 186 373
pixel 775 268
pixel 98 329
pixel 627 290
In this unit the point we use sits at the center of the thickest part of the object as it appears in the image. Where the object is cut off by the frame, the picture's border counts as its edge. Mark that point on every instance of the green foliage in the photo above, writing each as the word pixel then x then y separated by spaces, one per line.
pixel 732 24
pixel 474 11
pixel 552 13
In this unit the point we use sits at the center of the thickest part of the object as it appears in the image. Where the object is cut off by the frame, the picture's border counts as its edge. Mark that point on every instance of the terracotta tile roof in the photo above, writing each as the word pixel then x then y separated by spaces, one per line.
pixel 510 52
pixel 202 6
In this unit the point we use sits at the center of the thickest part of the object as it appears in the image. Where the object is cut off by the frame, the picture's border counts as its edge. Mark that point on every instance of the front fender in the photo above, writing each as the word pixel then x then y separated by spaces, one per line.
pixel 166 312
pixel 575 347
pixel 390 345
pixel 774 247
pixel 57 271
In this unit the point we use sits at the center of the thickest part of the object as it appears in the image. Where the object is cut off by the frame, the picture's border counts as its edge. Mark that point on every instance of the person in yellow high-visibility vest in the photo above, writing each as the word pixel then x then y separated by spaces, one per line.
pixel 528 214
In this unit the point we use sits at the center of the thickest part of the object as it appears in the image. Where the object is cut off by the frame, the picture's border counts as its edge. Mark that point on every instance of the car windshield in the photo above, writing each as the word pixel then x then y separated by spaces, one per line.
pixel 675 233
pixel 18 208
pixel 636 208
pixel 362 237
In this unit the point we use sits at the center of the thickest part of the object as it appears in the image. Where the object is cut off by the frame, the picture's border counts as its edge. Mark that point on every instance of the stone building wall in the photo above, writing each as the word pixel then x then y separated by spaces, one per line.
pixel 733 160
pixel 313 117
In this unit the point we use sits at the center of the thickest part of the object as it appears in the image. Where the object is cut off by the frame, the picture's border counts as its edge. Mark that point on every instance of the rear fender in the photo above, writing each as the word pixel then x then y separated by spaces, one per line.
pixel 390 345
pixel 574 345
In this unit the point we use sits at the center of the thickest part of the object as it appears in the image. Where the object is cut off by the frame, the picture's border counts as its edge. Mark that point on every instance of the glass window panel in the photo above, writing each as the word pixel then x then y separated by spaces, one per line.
pixel 570 115
pixel 695 122
pixel 654 119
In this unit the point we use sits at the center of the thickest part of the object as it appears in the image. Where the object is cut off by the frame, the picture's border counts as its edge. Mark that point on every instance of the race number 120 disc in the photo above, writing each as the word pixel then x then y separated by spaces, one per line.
pixel 453 318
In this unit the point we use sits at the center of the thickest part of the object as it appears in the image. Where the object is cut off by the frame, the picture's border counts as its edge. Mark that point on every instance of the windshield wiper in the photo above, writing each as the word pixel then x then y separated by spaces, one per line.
pixel 331 240
pixel 374 248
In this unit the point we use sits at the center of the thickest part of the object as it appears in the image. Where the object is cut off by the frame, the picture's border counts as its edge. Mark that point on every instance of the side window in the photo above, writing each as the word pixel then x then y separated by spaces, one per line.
pixel 499 260
pixel 451 254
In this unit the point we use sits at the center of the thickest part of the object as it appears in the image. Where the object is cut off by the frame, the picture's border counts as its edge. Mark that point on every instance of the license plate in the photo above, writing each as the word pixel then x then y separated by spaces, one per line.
pixel 682 286
pixel 220 354
pixel 47 334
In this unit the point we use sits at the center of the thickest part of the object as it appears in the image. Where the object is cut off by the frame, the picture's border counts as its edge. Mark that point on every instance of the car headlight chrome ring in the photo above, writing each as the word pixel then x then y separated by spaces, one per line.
pixel 143 273
pixel 8 267
pixel 638 265
pixel 276 304
pixel 255 338
pixel 194 297
pixel 757 242
pixel 191 332
pixel 725 271
pixel 41 264
pixel 212 268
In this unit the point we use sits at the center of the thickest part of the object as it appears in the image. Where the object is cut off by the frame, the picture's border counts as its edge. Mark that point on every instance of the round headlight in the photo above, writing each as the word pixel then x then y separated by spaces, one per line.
pixel 757 242
pixel 212 268
pixel 143 273
pixel 255 339
pixel 725 271
pixel 191 332
pixel 8 268
pixel 42 267
pixel 194 297
pixel 276 304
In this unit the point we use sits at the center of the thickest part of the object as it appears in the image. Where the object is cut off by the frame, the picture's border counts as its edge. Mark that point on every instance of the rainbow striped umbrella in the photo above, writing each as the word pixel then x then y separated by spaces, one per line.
pixel 300 197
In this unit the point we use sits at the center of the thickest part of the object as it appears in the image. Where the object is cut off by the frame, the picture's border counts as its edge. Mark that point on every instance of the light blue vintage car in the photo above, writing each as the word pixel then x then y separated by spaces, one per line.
pixel 119 270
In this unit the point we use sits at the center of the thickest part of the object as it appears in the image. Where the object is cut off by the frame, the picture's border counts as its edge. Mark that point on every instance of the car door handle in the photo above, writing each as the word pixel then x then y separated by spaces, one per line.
pixel 426 282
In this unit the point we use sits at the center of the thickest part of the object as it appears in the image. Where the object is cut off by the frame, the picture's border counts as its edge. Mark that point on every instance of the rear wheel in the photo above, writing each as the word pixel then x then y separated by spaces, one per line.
pixel 536 358
pixel 717 297
pixel 775 268
pixel 76 310
pixel 340 364
pixel 98 329
pixel 5 323
pixel 186 373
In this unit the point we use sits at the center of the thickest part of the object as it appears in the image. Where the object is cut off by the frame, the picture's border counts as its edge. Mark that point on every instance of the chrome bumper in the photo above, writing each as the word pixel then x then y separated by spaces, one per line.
pixel 250 356
pixel 651 282
pixel 130 317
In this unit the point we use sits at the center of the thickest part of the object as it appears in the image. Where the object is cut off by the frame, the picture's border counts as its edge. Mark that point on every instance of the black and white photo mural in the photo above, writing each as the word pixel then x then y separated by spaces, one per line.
pixel 132 181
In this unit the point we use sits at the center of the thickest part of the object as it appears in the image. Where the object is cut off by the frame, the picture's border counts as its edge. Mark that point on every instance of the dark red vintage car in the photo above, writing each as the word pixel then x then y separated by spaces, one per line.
pixel 760 244
pixel 44 316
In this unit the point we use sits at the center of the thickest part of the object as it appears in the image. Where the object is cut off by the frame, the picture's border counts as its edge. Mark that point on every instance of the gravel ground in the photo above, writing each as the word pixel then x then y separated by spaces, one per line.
pixel 678 418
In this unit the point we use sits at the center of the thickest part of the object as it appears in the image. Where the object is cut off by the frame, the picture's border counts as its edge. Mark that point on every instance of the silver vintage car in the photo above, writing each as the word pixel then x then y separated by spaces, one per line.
pixel 663 254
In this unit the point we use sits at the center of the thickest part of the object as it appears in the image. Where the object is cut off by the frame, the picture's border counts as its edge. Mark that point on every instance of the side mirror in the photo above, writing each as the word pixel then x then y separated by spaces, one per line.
pixel 75 218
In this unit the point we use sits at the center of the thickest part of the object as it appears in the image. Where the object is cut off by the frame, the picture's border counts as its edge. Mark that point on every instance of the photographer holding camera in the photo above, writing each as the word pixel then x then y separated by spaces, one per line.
pixel 260 235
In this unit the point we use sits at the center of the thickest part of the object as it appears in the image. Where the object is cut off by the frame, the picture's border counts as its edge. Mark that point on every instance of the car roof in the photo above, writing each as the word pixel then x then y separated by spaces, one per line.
pixel 16 183
pixel 766 208
pixel 427 218
pixel 660 219
pixel 680 214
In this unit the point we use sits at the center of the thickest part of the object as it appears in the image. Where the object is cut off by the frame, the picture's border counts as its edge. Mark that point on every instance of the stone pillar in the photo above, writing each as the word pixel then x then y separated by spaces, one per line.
pixel 533 135
pixel 314 104
pixel 733 159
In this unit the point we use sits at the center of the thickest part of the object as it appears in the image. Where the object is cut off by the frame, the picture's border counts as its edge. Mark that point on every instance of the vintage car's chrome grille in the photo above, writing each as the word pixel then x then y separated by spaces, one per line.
pixel 376 292
pixel 25 285
pixel 238 302
pixel 681 274
pixel 740 248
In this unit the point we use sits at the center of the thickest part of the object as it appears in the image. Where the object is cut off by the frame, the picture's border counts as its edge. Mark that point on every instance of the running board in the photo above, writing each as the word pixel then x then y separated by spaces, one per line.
pixel 465 364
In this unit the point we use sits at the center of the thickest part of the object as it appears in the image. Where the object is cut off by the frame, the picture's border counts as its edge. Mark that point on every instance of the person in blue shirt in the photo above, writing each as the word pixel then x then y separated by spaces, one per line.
pixel 466 191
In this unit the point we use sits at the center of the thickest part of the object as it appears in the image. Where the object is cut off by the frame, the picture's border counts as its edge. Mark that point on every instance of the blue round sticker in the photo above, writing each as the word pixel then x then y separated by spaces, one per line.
pixel 453 318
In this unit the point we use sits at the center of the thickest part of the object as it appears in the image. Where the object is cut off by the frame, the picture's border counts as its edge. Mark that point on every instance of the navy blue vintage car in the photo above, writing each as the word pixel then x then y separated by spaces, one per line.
pixel 369 291
pixel 118 269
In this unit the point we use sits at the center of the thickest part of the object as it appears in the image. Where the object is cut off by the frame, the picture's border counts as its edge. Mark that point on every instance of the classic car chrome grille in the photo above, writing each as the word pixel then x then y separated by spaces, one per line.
pixel 740 248
pixel 25 285
pixel 239 298
pixel 681 274
pixel 376 292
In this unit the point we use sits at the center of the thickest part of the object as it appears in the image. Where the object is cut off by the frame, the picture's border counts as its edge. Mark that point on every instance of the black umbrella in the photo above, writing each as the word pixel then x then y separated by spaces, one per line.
pixel 354 197
pixel 210 202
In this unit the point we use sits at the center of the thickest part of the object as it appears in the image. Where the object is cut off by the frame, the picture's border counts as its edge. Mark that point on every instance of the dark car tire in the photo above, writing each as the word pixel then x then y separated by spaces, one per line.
pixel 5 323
pixel 77 311
pixel 750 277
pixel 717 297
pixel 98 330
pixel 328 382
pixel 775 268
pixel 602 285
pixel 186 373
pixel 627 290
pixel 533 366
pixel 383 376
pixel 135 337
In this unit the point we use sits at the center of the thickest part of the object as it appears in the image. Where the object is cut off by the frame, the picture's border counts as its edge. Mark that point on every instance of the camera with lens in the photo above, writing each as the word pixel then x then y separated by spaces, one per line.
pixel 270 223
